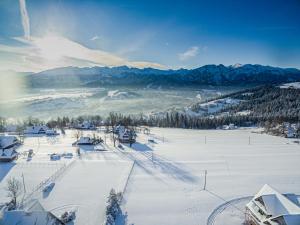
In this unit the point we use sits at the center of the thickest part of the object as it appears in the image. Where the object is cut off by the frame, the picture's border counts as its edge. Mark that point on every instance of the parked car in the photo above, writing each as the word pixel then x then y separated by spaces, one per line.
pixel 68 155
pixel 48 187
pixel 55 156
pixel 151 140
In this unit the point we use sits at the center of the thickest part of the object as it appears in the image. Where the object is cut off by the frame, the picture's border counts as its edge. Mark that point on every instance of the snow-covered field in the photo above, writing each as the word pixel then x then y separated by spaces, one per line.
pixel 166 183
pixel 169 190
pixel 211 106
pixel 295 85
pixel 83 184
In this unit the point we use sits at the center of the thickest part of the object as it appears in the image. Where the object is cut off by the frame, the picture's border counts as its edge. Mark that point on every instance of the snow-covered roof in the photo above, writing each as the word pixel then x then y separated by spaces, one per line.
pixel 35 215
pixel 85 140
pixel 275 205
pixel 7 153
pixel 36 129
pixel 7 141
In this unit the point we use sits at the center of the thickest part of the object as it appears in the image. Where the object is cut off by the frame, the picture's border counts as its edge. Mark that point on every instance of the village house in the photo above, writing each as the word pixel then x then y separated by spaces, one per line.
pixel 86 125
pixel 85 141
pixel 8 145
pixel 231 126
pixel 127 136
pixel 269 207
pixel 119 128
pixel 51 132
pixel 34 214
pixel 291 130
pixel 36 129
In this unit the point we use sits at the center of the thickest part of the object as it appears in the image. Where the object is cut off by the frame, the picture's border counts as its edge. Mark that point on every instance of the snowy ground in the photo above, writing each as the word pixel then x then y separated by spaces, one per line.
pixel 83 184
pixel 166 183
pixel 295 85
pixel 169 190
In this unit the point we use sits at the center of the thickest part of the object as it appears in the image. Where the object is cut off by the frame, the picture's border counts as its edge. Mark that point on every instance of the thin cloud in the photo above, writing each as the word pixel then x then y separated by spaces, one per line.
pixel 42 53
pixel 25 19
pixel 189 53
pixel 95 38
pixel 52 51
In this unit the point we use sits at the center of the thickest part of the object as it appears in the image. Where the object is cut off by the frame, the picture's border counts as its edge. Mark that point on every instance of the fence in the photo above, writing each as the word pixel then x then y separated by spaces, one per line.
pixel 123 191
pixel 50 179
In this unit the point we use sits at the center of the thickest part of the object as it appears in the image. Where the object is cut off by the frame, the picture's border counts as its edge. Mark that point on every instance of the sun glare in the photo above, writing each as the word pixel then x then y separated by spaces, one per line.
pixel 51 48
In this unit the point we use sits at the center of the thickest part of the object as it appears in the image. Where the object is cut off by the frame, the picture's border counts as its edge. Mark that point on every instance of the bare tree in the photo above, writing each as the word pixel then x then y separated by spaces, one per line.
pixel 112 118
pixel 13 188
pixel 77 134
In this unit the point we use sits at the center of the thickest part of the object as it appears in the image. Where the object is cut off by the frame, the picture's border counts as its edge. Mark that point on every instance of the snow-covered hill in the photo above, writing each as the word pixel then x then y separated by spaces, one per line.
pixel 295 85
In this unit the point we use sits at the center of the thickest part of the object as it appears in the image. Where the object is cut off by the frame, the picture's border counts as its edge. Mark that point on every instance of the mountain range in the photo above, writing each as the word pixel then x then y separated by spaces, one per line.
pixel 217 75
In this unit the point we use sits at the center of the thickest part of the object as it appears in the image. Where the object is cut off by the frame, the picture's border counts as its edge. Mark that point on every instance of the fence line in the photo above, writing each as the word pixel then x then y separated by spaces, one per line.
pixel 50 179
pixel 123 191
pixel 127 180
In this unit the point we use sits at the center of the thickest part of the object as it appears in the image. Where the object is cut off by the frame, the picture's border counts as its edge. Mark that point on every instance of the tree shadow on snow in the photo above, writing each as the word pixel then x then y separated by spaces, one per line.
pixel 167 166
pixel 87 147
pixel 5 168
pixel 140 147
pixel 175 170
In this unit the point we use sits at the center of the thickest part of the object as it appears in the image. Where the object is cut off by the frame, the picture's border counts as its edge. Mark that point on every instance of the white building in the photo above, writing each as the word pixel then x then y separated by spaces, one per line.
pixel 269 207
pixel 51 132
pixel 8 141
pixel 86 125
pixel 118 129
pixel 290 132
pixel 231 126
pixel 125 136
pixel 85 141
pixel 8 145
pixel 36 129
pixel 7 155
pixel 34 214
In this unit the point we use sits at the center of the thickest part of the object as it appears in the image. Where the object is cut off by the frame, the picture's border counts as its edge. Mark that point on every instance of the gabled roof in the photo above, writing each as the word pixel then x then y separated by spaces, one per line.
pixel 8 153
pixel 276 203
pixel 35 214
pixel 7 141
pixel 84 140
pixel 35 129
pixel 277 206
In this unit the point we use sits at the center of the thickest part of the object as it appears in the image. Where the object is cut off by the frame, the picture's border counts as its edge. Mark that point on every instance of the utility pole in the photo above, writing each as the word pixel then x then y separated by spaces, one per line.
pixel 205 139
pixel 23 183
pixel 205 173
pixel 249 142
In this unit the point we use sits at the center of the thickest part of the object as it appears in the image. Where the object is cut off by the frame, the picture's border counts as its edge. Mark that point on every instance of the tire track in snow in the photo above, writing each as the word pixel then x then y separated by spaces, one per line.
pixel 212 217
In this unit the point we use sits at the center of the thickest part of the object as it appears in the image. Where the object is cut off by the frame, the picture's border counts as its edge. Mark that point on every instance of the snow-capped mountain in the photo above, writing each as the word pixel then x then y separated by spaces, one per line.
pixel 206 75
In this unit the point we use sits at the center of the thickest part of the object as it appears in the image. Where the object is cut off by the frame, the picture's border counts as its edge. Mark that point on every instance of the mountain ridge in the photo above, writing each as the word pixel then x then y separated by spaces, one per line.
pixel 205 75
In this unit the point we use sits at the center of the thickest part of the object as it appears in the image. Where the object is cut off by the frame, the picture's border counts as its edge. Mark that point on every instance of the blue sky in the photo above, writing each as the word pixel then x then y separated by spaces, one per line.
pixel 163 34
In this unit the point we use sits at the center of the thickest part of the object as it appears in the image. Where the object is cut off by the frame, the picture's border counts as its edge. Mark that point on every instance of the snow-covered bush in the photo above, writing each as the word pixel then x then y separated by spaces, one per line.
pixel 113 208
